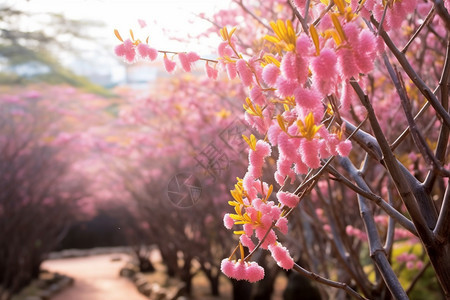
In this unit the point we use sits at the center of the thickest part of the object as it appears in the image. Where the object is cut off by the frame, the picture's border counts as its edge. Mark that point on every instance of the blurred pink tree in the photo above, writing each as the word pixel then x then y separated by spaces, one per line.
pixel 43 188
pixel 181 132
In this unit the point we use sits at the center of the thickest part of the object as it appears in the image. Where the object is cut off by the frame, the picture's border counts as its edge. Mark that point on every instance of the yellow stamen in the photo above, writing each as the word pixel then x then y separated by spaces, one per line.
pixel 231 32
pixel 332 33
pixel 250 141
pixel 337 25
pixel 253 109
pixel 285 38
pixel 315 38
pixel 242 251
pixel 269 192
pixel 116 32
pixel 281 123
pixel 308 129
pixel 224 33
pixel 269 59
pixel 340 5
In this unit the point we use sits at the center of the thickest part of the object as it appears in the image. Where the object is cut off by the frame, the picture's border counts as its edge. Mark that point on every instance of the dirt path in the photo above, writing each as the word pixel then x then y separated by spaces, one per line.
pixel 96 278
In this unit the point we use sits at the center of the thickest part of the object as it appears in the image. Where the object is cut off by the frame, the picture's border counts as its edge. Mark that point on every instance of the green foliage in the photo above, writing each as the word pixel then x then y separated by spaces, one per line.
pixel 426 286
pixel 22 48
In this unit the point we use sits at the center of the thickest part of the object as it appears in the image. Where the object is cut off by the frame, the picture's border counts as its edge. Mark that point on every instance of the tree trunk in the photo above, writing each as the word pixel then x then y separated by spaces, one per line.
pixel 214 282
pixel 242 290
pixel 169 258
pixel 300 285
pixel 440 260
pixel 186 275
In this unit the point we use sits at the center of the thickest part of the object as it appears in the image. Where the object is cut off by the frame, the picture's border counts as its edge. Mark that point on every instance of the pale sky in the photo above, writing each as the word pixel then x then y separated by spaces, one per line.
pixel 174 16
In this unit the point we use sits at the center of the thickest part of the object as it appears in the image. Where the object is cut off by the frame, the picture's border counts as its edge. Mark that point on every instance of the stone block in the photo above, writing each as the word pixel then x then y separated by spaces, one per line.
pixel 44 294
pixel 145 289
pixel 33 298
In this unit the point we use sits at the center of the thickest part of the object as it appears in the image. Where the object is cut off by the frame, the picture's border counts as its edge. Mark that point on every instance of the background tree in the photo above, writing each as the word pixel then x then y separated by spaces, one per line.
pixel 175 132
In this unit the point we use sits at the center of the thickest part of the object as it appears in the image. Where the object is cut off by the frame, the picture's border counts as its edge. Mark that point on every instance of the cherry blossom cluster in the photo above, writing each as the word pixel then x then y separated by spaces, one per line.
pixel 241 270
pixel 132 50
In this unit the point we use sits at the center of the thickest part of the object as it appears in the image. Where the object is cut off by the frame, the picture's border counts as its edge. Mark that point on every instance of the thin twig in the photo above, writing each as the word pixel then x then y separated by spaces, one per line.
pixel 176 53
pixel 367 193
pixel 417 137
pixel 323 13
pixel 345 254
pixel 299 17
pixel 415 78
pixel 406 132
pixel 308 2
pixel 241 4
pixel 380 26
pixel 427 20
pixel 329 282
pixel 443 83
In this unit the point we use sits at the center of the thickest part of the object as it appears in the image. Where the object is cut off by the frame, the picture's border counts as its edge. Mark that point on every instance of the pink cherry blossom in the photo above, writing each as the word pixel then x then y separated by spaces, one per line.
pixel 169 64
pixel 228 221
pixel 244 72
pixel 281 256
pixel 282 225
pixel 270 74
pixel 288 199
pixel 142 23
pixel 126 50
pixel 211 72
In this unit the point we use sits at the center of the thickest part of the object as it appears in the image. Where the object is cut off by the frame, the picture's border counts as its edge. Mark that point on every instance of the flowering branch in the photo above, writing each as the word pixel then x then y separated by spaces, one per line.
pixel 302 85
